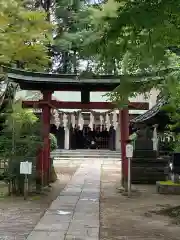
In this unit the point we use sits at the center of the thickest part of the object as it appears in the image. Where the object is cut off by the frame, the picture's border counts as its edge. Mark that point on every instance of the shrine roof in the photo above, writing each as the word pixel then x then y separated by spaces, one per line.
pixel 156 109
pixel 48 81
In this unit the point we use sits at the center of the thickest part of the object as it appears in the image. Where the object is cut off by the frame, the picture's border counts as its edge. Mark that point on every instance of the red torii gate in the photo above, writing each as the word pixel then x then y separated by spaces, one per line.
pixel 47 103
pixel 48 83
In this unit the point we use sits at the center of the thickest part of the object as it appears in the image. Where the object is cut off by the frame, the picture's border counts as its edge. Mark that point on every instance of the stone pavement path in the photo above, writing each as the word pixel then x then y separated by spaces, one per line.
pixel 75 213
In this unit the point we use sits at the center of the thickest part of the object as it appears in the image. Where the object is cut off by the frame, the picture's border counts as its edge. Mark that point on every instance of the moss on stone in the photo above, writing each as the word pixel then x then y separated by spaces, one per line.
pixel 169 183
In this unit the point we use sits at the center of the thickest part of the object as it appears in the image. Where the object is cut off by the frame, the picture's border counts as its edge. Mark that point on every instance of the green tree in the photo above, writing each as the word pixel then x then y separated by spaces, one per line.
pixel 172 95
pixel 24 35
pixel 137 37
pixel 73 27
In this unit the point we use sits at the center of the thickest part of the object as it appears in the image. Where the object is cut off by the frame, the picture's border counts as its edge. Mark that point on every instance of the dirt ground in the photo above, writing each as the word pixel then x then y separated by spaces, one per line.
pixel 18 217
pixel 121 218
pixel 134 218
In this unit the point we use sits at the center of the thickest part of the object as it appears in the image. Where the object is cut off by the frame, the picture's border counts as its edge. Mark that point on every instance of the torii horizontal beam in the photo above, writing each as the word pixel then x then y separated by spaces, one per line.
pixel 79 105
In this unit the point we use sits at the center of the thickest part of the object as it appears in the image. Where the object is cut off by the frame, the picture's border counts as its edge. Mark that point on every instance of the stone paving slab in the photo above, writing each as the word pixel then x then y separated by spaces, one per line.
pixel 38 235
pixel 74 215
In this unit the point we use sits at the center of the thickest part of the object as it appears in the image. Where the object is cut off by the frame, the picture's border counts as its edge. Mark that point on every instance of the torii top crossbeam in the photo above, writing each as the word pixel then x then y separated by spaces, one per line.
pixel 69 82
pixel 62 82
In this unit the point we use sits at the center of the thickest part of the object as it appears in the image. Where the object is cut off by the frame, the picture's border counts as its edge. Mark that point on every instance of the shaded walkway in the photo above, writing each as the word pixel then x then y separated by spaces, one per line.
pixel 75 213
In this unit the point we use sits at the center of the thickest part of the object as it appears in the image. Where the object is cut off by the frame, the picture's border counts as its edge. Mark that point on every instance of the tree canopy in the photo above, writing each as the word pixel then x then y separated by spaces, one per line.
pixel 138 37
pixel 24 35
pixel 113 37
pixel 72 28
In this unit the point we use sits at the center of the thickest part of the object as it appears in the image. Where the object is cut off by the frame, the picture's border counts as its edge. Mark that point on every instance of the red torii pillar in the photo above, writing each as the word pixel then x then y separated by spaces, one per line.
pixel 44 156
pixel 124 128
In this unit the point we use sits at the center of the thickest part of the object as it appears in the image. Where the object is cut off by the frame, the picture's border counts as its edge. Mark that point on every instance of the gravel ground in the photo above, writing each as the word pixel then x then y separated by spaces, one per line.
pixel 133 218
pixel 19 217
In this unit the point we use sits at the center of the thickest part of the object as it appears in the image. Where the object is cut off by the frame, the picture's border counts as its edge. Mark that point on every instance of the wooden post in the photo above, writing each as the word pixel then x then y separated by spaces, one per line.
pixel 46 115
pixel 26 186
pixel 124 128
pixel 39 170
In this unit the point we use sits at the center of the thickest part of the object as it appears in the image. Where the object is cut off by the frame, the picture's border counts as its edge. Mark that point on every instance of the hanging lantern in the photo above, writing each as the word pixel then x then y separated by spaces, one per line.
pixel 73 120
pixel 115 119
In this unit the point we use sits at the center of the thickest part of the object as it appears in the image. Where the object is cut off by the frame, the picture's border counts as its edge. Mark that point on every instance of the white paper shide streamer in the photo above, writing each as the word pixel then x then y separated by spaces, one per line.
pixel 73 120
pixel 107 121
pixel 115 119
pixel 65 121
pixel 101 121
pixel 91 123
pixel 80 121
pixel 55 119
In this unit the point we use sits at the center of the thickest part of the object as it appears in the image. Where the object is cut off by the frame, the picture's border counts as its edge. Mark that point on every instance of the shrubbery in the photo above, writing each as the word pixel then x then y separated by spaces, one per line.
pixel 53 142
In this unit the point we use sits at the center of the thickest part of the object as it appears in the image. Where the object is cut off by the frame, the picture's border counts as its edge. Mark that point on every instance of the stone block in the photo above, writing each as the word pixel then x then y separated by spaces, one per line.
pixel 83 231
pixel 68 199
pixel 70 237
pixel 55 218
pixel 50 224
pixel 37 235
pixel 168 187
pixel 59 205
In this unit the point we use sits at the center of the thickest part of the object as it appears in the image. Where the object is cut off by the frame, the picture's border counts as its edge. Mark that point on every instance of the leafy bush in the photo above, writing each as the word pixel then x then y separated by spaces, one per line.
pixel 19 141
pixel 21 135
pixel 53 142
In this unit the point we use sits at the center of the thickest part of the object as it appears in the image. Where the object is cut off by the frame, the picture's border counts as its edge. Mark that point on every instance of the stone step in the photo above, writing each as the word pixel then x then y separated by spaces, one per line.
pixel 80 160
pixel 86 151
pixel 83 157
pixel 76 154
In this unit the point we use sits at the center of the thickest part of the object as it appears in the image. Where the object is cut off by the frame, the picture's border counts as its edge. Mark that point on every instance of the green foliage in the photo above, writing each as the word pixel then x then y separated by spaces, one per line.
pixel 172 93
pixel 53 142
pixel 135 36
pixel 20 137
pixel 20 140
pixel 24 35
pixel 176 147
pixel 73 27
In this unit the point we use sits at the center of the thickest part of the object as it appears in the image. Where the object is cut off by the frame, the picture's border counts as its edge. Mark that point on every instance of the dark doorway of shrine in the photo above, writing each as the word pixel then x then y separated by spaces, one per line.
pixel 98 138
pixel 82 139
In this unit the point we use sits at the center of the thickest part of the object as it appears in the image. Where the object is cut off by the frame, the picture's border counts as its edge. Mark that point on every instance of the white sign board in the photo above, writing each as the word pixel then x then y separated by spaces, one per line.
pixel 129 150
pixel 26 168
